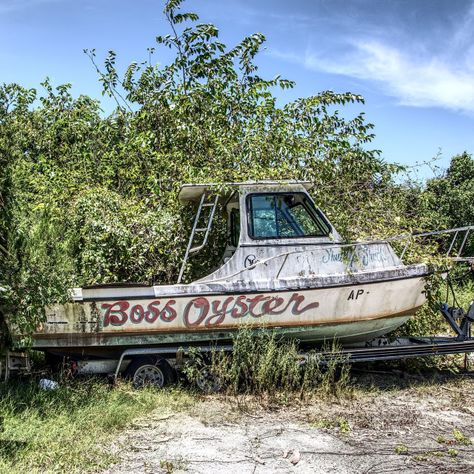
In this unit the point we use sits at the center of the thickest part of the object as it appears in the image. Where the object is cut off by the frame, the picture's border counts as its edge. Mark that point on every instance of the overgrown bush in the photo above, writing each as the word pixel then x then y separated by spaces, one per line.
pixel 108 185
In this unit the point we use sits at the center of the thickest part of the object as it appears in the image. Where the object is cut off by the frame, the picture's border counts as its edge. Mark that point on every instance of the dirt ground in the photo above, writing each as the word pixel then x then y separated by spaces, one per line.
pixel 393 422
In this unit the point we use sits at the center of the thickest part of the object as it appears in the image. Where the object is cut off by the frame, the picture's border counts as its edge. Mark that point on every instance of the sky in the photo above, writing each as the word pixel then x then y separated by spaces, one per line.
pixel 412 60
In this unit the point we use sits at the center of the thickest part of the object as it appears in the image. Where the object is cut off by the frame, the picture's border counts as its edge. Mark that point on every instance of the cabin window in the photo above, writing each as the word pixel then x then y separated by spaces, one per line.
pixel 234 226
pixel 281 215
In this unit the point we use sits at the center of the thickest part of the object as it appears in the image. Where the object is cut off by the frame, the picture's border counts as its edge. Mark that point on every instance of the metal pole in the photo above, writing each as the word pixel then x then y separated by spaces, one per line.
pixel 452 243
pixel 463 242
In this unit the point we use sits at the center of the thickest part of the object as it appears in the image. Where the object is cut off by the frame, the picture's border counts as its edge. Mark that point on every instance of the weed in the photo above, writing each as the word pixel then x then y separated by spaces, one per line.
pixel 65 429
pixel 167 466
pixel 453 452
pixel 421 457
pixel 264 364
pixel 171 466
pixel 341 423
pixel 323 423
pixel 401 449
pixel 344 426
pixel 461 438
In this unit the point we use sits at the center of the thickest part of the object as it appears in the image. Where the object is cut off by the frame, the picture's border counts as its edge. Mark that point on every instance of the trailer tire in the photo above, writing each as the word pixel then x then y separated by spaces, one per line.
pixel 208 382
pixel 149 371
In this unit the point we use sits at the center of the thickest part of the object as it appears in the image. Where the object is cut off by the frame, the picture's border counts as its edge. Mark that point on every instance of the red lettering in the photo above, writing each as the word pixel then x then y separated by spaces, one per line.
pixel 137 314
pixel 283 310
pixel 115 313
pixel 200 310
pixel 253 303
pixel 297 299
pixel 152 313
pixel 168 313
pixel 272 304
pixel 202 305
pixel 218 313
pixel 240 309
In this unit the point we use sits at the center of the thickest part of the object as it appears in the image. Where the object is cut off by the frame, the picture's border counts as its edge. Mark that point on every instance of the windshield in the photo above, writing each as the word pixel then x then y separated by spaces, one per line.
pixel 282 215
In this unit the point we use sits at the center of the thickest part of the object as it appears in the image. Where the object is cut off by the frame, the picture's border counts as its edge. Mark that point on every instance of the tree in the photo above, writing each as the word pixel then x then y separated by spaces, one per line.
pixel 93 199
pixel 452 194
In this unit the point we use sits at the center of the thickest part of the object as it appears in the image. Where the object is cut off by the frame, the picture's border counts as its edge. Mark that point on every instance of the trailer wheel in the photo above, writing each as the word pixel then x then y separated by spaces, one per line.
pixel 149 370
pixel 208 382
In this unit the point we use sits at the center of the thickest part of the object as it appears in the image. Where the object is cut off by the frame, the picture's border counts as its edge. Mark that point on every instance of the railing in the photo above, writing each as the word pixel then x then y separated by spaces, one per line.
pixel 462 232
pixel 206 229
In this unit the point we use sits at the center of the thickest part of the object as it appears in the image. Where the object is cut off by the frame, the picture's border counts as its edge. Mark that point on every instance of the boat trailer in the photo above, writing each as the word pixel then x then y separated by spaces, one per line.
pixel 458 319
pixel 378 349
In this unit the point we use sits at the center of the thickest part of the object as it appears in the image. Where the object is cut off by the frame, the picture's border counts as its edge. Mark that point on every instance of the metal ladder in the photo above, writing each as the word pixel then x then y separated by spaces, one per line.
pixel 190 249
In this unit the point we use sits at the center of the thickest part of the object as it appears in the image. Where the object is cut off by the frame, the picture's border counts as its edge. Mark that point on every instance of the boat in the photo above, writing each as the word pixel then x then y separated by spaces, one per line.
pixel 285 268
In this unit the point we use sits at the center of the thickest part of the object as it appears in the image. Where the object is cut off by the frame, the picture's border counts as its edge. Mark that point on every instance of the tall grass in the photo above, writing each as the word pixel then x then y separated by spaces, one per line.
pixel 264 364
pixel 67 430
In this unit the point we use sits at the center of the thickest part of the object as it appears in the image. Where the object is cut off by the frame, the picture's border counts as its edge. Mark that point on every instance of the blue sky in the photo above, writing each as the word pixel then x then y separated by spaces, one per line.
pixel 412 60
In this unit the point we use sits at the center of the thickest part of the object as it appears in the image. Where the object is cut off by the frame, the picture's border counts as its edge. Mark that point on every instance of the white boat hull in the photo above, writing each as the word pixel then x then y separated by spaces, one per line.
pixel 351 312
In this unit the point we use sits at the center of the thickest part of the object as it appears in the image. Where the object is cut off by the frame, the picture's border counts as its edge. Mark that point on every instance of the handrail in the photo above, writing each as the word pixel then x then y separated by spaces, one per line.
pixel 208 228
pixel 456 231
pixel 427 234
pixel 190 249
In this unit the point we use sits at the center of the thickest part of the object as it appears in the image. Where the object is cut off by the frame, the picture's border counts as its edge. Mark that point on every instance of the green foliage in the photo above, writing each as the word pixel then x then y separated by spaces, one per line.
pixel 401 449
pixel 118 238
pixel 38 267
pixel 449 198
pixel 452 194
pixel 460 438
pixel 338 422
pixel 88 199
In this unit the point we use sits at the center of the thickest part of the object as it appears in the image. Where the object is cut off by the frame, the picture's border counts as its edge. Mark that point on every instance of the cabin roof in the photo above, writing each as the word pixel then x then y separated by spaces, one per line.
pixel 193 192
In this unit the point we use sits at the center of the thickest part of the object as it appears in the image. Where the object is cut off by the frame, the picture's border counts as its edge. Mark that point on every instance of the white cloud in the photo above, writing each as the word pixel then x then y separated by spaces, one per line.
pixel 431 66
pixel 413 79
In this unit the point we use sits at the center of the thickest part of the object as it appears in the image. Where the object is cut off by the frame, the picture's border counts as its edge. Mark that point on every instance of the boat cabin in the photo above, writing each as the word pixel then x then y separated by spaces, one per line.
pixel 276 223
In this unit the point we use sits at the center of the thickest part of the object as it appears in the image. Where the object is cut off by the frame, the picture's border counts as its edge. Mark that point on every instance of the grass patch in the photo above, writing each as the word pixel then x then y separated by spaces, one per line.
pixel 327 423
pixel 66 430
pixel 401 449
pixel 461 438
